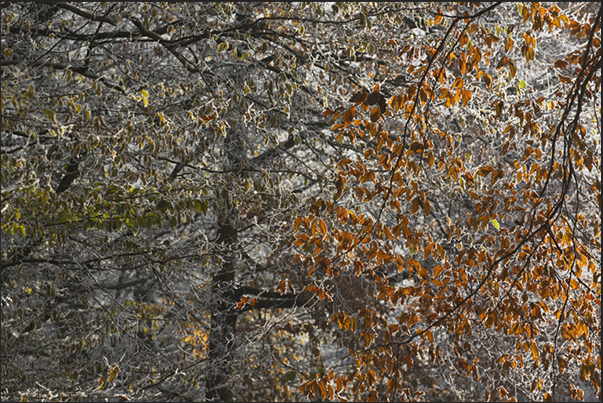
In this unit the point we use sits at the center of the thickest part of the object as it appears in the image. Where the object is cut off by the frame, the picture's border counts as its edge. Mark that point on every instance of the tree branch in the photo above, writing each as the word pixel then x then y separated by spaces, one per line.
pixel 85 14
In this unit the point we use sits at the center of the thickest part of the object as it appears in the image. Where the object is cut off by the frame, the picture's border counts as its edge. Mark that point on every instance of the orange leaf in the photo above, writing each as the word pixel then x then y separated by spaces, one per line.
pixel 497 175
pixel 323 227
pixel 503 391
pixel 466 94
pixel 529 55
pixel 344 161
pixel 297 223
pixel 473 194
pixel 534 349
pixel 375 114
pixel 426 206
pixel 503 62
pixel 348 116
pixel 484 171
pixel 414 206
pixel 491 319
pixel 281 286
pixel 242 303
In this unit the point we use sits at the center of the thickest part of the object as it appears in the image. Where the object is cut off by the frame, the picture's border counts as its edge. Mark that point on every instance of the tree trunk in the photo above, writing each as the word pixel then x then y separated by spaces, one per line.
pixel 223 320
pixel 226 295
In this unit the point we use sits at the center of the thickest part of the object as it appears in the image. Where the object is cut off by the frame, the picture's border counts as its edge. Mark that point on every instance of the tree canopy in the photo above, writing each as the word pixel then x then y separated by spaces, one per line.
pixel 301 201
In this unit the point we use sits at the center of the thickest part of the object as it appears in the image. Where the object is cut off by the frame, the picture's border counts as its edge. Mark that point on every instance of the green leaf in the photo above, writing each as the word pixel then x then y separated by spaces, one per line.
pixel 200 206
pixel 288 377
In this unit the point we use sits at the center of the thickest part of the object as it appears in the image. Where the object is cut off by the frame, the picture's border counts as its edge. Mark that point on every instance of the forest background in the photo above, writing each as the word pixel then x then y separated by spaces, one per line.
pixel 301 201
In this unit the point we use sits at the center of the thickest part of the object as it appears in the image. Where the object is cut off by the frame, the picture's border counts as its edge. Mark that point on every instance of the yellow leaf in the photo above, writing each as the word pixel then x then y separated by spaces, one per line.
pixel 101 383
pixel 51 115
pixel 113 373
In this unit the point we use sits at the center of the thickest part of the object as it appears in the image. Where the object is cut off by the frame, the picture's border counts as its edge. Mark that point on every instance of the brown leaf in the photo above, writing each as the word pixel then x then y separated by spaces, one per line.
pixel 359 97
pixel 382 104
pixel 339 185
pixel 417 147
pixel 503 62
pixel 374 98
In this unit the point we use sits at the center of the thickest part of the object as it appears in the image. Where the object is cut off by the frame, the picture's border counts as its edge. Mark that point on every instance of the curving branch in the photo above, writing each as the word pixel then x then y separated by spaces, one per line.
pixel 86 14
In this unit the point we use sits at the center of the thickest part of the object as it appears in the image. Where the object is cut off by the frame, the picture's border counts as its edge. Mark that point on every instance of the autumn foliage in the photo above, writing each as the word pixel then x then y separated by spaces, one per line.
pixel 301 201
pixel 514 260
